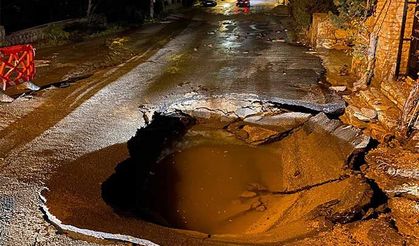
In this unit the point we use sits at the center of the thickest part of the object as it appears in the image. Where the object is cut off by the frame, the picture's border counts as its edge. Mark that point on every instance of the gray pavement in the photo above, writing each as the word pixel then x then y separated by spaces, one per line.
pixel 222 51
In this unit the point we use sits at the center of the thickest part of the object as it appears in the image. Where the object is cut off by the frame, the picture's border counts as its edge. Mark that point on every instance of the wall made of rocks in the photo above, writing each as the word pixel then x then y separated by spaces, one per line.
pixel 323 34
pixel 35 34
pixel 387 24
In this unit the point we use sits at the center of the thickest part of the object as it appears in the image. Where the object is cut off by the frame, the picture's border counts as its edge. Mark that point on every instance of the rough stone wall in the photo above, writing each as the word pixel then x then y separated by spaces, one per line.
pixel 35 34
pixel 387 24
pixel 26 36
pixel 323 34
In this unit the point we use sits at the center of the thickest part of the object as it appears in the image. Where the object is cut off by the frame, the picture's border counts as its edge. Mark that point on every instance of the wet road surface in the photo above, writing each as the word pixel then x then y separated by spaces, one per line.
pixel 220 51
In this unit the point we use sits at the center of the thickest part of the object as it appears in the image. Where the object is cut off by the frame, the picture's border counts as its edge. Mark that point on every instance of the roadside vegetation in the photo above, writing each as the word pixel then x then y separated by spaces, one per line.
pixel 350 15
pixel 94 18
pixel 345 13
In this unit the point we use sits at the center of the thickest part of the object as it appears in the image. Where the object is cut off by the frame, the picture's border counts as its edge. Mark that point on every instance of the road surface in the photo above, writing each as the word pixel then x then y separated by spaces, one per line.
pixel 216 51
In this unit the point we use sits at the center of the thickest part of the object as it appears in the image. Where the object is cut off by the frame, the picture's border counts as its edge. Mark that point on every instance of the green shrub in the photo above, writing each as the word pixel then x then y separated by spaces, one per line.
pixel 352 12
pixel 302 10
pixel 56 34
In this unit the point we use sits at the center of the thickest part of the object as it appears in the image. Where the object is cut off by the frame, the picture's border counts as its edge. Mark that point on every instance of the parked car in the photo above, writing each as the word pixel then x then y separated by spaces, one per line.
pixel 209 3
pixel 243 3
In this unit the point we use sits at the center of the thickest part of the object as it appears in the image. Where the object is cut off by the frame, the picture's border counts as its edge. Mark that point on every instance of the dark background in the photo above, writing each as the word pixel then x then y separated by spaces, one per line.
pixel 19 14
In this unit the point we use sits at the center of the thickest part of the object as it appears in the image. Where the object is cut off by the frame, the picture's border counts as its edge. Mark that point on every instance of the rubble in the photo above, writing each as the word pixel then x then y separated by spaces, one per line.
pixel 341 88
pixel 406 215
pixel 395 171
pixel 5 98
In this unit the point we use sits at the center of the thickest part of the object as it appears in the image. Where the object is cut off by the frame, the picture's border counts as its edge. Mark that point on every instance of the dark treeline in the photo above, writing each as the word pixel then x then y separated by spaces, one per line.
pixel 20 14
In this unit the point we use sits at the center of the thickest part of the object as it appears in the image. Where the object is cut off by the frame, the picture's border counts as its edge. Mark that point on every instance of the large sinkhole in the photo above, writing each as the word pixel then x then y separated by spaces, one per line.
pixel 267 176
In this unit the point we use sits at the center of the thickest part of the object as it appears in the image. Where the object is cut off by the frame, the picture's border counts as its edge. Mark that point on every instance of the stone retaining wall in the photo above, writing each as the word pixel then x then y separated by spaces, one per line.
pixel 388 18
pixel 323 34
pixel 386 23
pixel 34 34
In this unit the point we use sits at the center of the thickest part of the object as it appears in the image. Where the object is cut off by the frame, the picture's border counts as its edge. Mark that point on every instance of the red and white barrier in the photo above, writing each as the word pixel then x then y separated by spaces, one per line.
pixel 17 66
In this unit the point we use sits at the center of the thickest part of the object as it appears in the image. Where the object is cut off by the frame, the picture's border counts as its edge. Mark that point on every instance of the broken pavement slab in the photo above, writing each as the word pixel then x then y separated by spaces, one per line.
pixel 406 215
pixel 279 122
pixel 245 105
pixel 320 151
pixel 396 172
pixel 257 135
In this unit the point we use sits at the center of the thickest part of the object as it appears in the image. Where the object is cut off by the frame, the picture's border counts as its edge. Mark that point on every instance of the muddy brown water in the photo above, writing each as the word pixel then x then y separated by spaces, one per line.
pixel 209 185
pixel 203 187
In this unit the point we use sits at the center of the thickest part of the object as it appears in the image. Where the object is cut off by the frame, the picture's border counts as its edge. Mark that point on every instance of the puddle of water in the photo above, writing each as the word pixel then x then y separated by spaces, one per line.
pixel 204 187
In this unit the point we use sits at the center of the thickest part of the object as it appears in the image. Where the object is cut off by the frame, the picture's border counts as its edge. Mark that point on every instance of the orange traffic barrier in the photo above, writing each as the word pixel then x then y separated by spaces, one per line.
pixel 17 65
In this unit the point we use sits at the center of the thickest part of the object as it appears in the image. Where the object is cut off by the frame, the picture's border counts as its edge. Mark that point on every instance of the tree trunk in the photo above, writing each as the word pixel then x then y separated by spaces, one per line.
pixel 151 8
pixel 89 8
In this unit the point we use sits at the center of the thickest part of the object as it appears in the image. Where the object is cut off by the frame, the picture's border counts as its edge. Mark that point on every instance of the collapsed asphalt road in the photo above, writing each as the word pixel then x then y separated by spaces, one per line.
pixel 234 55
pixel 227 177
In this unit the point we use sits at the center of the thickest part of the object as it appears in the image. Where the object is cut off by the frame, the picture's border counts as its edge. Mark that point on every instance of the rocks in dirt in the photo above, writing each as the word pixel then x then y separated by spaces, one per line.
pixel 338 88
pixel 363 114
pixel 370 114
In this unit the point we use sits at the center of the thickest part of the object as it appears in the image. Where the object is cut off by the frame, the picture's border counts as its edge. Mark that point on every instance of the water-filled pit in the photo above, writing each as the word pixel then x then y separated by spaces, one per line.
pixel 273 176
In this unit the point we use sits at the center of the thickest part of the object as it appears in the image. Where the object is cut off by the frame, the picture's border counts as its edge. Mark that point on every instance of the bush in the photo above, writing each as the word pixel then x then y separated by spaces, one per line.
pixel 302 10
pixel 129 11
pixel 56 34
pixel 352 12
